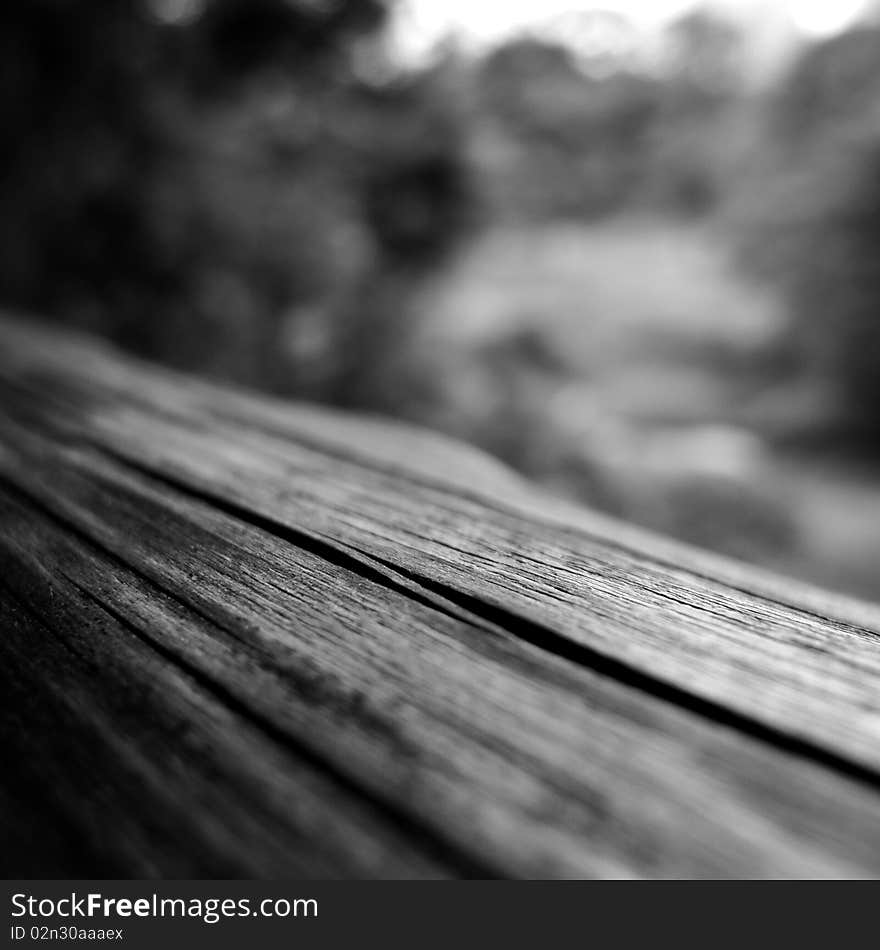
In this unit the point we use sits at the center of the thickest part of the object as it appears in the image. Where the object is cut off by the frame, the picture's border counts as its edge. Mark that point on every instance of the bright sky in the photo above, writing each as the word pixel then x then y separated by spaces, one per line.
pixel 422 22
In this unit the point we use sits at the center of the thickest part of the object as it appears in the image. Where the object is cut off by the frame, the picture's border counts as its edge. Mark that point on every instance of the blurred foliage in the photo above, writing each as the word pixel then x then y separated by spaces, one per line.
pixel 812 221
pixel 249 188
pixel 562 135
pixel 558 142
pixel 219 183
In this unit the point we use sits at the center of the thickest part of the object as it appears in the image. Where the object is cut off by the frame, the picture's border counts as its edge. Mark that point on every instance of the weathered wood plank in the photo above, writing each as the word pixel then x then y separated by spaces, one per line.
pixel 282 640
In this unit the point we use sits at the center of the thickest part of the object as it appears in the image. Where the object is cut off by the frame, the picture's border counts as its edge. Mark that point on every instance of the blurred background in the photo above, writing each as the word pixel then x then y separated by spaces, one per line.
pixel 632 249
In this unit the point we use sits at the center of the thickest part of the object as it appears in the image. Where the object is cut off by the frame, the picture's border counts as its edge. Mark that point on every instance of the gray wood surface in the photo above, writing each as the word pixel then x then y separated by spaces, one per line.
pixel 244 638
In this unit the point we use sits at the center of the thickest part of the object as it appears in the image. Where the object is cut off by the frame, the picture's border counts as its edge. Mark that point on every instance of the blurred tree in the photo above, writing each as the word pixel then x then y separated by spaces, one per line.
pixel 567 134
pixel 704 59
pixel 194 177
pixel 558 141
pixel 699 118
pixel 814 224
pixel 831 84
pixel 79 141
pixel 418 201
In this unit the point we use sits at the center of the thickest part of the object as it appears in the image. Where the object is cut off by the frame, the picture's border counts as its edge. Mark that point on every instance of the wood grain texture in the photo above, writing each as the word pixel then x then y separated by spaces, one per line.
pixel 247 638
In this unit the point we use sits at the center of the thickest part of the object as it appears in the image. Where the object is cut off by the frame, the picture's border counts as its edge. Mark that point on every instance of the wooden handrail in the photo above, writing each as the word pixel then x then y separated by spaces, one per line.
pixel 241 637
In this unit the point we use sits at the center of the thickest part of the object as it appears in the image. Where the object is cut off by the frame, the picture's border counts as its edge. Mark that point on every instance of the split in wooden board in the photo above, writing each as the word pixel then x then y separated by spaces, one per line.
pixel 247 638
